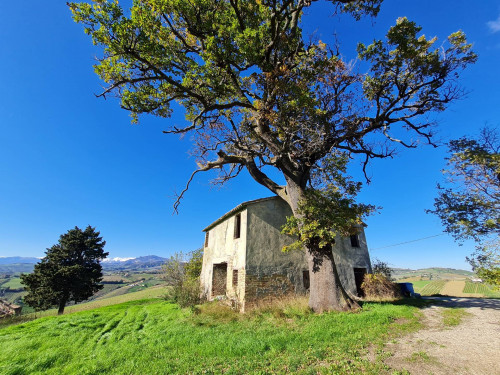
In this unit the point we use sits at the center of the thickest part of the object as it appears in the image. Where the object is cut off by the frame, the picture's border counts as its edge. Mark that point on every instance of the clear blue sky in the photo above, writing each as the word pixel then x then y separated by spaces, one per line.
pixel 68 158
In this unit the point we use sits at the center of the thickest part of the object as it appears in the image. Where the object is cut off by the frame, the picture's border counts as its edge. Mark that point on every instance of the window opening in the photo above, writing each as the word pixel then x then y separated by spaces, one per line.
pixel 305 280
pixel 237 226
pixel 355 240
pixel 206 239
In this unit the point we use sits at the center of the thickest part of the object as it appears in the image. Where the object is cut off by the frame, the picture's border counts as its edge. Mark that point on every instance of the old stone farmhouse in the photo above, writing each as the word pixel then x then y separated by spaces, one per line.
pixel 243 261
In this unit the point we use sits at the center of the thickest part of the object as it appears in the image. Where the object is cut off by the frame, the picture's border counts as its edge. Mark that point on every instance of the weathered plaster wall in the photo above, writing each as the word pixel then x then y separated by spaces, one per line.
pixel 224 248
pixel 264 271
pixel 266 263
pixel 270 272
pixel 348 257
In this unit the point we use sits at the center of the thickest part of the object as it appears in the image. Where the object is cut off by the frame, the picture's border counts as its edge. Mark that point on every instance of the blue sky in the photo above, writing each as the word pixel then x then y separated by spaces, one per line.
pixel 68 158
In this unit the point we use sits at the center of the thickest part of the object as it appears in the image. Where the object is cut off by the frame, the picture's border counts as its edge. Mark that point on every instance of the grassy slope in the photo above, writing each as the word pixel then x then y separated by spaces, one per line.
pixel 440 273
pixel 156 337
pixel 13 283
pixel 146 293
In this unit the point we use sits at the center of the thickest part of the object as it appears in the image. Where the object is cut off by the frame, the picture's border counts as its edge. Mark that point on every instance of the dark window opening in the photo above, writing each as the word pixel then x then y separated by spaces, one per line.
pixel 219 279
pixel 206 239
pixel 235 278
pixel 359 276
pixel 305 279
pixel 355 240
pixel 237 226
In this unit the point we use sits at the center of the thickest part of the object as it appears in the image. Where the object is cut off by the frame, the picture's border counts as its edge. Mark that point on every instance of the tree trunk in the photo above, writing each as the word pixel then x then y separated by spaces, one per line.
pixel 326 292
pixel 62 305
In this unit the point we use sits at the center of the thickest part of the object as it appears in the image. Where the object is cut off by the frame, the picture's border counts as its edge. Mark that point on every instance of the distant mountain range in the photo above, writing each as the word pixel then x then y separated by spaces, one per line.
pixel 11 265
pixel 148 261
pixel 15 260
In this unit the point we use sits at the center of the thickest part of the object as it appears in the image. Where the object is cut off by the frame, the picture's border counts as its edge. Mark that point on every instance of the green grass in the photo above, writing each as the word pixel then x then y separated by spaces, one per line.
pixel 143 294
pixel 454 316
pixel 13 283
pixel 433 287
pixel 156 337
pixel 480 288
pixel 420 356
pixel 419 285
pixel 13 297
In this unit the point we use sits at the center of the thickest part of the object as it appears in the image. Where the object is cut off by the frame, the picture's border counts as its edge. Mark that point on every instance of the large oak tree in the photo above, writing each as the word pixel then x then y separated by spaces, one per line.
pixel 260 94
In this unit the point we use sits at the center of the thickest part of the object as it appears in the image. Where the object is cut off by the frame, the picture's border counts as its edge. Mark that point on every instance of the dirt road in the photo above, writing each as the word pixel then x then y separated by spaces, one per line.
pixel 470 348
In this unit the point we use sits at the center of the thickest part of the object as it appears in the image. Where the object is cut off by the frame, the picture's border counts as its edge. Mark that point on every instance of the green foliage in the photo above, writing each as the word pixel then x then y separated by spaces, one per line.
pixel 184 278
pixel 70 271
pixel 409 60
pixel 193 266
pixel 382 268
pixel 486 262
pixel 155 337
pixel 470 207
pixel 328 208
pixel 257 91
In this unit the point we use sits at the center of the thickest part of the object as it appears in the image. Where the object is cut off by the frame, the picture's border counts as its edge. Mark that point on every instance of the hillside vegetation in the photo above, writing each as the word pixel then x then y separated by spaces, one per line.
pixel 156 337
pixel 115 284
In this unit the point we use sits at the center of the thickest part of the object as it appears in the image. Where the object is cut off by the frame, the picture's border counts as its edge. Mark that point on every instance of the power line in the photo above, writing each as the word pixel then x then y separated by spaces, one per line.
pixel 402 243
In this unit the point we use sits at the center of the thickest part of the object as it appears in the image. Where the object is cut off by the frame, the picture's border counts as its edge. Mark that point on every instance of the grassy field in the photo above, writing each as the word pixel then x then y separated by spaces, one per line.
pixel 12 289
pixel 483 289
pixel 429 288
pixel 13 283
pixel 435 272
pixel 143 294
pixel 156 337
pixel 418 285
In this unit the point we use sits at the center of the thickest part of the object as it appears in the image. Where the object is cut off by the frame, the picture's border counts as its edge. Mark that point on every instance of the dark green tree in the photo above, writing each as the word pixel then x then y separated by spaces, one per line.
pixel 469 203
pixel 259 94
pixel 70 271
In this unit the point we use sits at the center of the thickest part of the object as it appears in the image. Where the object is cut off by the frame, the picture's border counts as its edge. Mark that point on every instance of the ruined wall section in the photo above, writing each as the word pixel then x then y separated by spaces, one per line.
pixel 222 247
pixel 347 258
pixel 270 273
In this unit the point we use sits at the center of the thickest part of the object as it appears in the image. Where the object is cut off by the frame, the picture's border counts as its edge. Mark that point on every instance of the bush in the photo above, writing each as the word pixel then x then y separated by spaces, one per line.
pixel 382 268
pixel 378 286
pixel 184 278
pixel 186 293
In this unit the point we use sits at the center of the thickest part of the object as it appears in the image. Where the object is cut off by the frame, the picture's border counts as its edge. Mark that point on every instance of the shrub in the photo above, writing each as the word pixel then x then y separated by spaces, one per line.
pixel 382 268
pixel 378 286
pixel 186 293
pixel 184 278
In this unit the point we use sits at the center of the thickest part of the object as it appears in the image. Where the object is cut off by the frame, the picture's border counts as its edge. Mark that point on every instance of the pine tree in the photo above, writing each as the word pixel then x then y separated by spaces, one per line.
pixel 70 271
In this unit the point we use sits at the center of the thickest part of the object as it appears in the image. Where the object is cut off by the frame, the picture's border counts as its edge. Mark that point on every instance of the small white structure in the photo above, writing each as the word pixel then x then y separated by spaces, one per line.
pixel 243 261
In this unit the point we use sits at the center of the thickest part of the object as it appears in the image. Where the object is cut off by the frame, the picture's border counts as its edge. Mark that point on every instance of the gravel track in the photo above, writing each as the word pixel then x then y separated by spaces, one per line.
pixel 471 348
